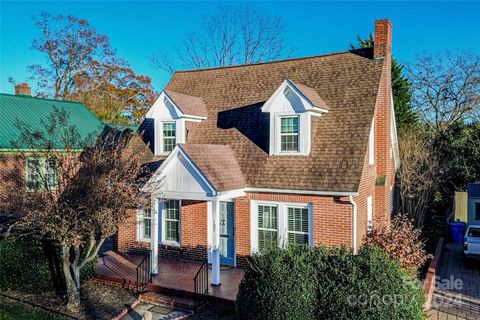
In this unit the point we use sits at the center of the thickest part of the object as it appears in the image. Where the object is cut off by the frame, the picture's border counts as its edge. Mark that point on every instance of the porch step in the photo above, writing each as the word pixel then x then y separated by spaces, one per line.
pixel 167 300
pixel 120 258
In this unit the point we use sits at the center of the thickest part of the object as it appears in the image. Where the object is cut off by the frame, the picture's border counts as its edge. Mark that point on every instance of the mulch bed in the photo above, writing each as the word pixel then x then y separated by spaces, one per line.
pixel 99 301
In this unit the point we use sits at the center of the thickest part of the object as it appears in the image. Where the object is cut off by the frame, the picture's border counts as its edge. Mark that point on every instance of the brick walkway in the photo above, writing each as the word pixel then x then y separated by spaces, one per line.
pixel 457 292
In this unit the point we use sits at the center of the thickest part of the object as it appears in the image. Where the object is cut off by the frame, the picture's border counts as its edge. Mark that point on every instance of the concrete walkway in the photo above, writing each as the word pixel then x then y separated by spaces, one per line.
pixel 457 290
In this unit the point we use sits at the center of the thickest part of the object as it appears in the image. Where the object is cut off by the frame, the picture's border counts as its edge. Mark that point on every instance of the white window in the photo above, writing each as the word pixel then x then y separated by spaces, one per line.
pixel 168 136
pixel 144 225
pixel 289 133
pixel 171 222
pixel 41 173
pixel 369 214
pixel 297 225
pixel 267 227
pixel 371 144
pixel 280 223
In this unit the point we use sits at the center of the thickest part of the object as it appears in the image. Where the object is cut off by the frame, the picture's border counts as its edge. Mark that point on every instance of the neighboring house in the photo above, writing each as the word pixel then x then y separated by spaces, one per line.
pixel 300 151
pixel 467 204
pixel 18 174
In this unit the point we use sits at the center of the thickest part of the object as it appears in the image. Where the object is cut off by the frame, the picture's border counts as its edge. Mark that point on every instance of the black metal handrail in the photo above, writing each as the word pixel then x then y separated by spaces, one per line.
pixel 201 285
pixel 144 273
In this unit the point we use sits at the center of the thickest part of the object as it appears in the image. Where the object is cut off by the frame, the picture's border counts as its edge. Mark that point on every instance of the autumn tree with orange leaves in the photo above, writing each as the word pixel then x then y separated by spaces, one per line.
pixel 82 66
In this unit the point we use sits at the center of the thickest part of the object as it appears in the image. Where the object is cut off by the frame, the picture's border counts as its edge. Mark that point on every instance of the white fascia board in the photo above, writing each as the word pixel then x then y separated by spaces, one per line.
pixel 160 102
pixel 198 171
pixel 181 114
pixel 190 117
pixel 169 159
pixel 309 106
pixel 308 192
pixel 394 138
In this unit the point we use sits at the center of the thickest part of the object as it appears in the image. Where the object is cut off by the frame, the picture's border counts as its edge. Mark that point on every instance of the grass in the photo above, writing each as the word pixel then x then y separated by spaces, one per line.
pixel 14 310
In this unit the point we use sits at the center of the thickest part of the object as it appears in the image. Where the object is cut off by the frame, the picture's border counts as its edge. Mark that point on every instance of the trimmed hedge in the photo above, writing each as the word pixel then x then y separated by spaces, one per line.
pixel 302 283
pixel 24 266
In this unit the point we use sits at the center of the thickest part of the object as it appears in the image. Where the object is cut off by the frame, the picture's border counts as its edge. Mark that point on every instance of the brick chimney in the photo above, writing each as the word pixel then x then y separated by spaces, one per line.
pixel 23 88
pixel 382 47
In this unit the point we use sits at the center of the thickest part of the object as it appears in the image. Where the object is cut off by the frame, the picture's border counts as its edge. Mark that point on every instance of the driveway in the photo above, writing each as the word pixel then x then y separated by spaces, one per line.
pixel 457 291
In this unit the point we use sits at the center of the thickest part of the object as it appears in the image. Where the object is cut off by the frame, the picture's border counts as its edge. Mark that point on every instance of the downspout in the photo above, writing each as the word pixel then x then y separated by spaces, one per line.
pixel 354 233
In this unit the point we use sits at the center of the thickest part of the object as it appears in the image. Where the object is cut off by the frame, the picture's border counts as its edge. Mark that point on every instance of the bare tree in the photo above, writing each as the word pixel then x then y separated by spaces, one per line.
pixel 418 174
pixel 446 88
pixel 70 44
pixel 230 36
pixel 79 191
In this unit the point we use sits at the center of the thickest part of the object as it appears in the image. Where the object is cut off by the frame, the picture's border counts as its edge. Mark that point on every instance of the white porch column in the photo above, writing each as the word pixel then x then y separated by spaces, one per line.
pixel 215 250
pixel 154 232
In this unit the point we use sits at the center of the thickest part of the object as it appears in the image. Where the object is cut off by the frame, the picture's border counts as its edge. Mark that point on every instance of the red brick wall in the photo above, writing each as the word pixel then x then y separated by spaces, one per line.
pixel 332 226
pixel 193 234
pixel 12 173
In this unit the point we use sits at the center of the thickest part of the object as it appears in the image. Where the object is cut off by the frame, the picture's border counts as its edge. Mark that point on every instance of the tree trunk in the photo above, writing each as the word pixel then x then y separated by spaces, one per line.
pixel 72 282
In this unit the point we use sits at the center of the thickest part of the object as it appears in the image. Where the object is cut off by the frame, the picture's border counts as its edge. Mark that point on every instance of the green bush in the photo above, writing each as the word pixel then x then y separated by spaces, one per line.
pixel 279 284
pixel 23 266
pixel 301 283
pixel 27 265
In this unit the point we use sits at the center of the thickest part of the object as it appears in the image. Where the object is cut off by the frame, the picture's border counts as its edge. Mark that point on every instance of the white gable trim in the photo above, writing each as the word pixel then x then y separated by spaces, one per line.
pixel 179 114
pixel 393 135
pixel 178 154
pixel 307 104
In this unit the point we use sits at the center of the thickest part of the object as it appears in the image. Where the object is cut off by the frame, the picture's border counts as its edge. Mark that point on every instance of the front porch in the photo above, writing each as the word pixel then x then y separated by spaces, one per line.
pixel 174 276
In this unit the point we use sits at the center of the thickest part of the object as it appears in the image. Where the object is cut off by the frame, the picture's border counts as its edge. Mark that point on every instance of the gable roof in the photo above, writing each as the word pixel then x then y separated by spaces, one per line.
pixel 347 82
pixel 312 96
pixel 218 164
pixel 32 111
pixel 189 105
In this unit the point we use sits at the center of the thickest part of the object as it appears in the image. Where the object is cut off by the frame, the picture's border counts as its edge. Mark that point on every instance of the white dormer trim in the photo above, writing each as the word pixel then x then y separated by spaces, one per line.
pixel 284 89
pixel 288 101
pixel 165 110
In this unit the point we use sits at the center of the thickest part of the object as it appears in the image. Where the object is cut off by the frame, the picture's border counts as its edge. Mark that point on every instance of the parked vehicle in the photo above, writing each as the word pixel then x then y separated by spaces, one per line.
pixel 471 244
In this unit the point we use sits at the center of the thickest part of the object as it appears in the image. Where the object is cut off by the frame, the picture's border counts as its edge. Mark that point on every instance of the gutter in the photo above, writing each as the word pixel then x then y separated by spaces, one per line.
pixel 354 231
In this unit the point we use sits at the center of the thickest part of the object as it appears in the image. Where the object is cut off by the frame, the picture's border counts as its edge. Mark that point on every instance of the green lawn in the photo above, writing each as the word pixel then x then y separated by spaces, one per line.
pixel 14 310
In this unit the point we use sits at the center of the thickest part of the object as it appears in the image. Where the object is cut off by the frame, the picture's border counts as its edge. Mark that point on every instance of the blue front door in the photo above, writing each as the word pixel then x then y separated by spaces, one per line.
pixel 227 235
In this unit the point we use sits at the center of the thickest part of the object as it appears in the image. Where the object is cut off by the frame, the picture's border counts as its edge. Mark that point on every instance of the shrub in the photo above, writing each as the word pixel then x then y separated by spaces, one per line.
pixel 302 283
pixel 23 266
pixel 401 241
pixel 279 284
pixel 369 285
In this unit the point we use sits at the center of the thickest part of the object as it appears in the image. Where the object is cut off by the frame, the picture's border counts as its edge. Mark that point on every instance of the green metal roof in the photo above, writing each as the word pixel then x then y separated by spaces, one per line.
pixel 32 111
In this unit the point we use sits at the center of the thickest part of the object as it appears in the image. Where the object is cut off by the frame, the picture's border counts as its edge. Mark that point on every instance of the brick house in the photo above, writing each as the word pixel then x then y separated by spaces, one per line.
pixel 21 167
pixel 299 151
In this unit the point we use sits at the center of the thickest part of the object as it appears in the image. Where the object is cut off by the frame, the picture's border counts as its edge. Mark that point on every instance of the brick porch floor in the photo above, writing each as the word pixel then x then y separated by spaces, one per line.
pixel 172 274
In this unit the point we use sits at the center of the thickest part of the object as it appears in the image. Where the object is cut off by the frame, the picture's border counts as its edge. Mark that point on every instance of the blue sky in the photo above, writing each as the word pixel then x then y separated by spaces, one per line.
pixel 139 29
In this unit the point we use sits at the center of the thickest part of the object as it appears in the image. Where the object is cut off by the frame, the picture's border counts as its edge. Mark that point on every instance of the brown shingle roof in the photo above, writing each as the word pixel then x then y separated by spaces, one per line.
pixel 347 82
pixel 218 163
pixel 311 95
pixel 189 105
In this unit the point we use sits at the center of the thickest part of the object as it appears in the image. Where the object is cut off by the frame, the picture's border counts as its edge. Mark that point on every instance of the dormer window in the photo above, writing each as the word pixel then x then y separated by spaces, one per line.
pixel 170 113
pixel 289 132
pixel 168 138
pixel 291 108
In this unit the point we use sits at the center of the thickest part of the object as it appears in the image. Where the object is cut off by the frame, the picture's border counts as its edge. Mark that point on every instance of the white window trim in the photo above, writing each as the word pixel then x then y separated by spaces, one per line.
pixel 140 234
pixel 369 213
pixel 162 142
pixel 279 134
pixel 304 133
pixel 371 144
pixel 282 221
pixel 162 222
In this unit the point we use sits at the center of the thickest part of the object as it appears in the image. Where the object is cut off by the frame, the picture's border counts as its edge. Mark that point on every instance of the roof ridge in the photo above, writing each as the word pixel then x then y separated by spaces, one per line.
pixel 38 98
pixel 268 62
